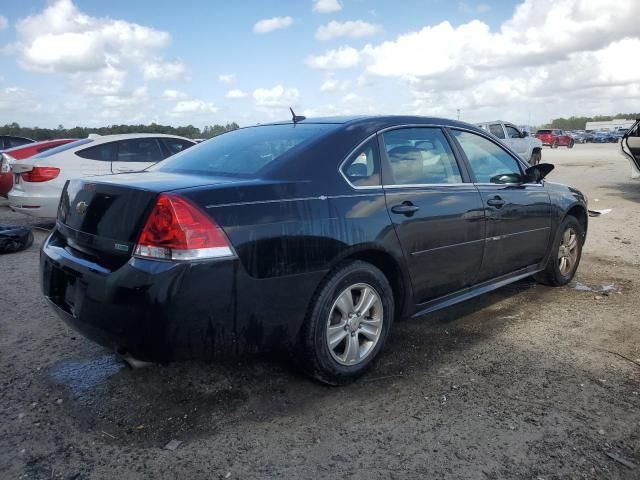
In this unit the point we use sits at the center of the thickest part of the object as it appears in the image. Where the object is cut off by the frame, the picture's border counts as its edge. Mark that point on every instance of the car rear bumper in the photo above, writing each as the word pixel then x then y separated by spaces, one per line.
pixel 155 310
pixel 43 206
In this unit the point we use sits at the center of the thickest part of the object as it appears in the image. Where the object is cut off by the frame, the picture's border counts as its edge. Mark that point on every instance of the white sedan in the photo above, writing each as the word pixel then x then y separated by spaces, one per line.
pixel 38 181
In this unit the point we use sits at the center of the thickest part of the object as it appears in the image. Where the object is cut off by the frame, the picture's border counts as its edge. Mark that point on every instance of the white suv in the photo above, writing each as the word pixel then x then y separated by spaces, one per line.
pixel 525 145
pixel 39 180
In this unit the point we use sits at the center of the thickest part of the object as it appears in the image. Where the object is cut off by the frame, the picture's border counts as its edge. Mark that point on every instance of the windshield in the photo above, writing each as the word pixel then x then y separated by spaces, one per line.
pixel 543 131
pixel 62 148
pixel 242 152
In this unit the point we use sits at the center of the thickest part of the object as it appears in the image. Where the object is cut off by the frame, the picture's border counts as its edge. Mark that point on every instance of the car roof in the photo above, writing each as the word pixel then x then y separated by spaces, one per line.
pixel 125 136
pixel 381 121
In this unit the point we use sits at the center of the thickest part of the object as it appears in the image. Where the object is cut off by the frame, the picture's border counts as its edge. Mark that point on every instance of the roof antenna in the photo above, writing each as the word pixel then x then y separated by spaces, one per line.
pixel 296 118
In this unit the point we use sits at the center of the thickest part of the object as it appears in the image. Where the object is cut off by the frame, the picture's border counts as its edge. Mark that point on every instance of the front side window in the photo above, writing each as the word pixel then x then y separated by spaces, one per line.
pixel 496 130
pixel 105 152
pixel 420 156
pixel 363 168
pixel 144 150
pixel 512 132
pixel 489 162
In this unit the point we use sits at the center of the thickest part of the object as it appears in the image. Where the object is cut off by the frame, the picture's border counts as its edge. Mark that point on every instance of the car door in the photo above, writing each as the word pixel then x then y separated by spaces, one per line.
pixel 630 146
pixel 515 141
pixel 518 214
pixel 136 154
pixel 435 210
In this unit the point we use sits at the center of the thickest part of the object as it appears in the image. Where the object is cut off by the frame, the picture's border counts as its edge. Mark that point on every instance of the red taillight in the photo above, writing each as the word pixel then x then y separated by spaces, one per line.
pixel 178 230
pixel 40 174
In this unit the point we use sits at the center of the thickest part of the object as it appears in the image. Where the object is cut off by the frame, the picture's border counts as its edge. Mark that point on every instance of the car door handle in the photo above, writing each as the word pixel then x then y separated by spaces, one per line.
pixel 496 202
pixel 405 208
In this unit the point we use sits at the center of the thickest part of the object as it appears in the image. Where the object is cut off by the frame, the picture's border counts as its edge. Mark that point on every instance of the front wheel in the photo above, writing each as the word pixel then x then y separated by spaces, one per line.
pixel 565 254
pixel 347 324
pixel 570 145
pixel 554 144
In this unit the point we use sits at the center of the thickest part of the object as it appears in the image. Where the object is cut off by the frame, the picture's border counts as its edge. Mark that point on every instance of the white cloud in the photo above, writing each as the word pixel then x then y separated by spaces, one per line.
pixel 276 97
pixel 235 94
pixel 332 85
pixel 107 81
pixel 353 29
pixel 193 107
pixel 170 94
pixel 163 70
pixel 343 57
pixel 268 25
pixel 227 78
pixel 137 97
pixel 326 6
pixel 572 51
pixel 4 23
pixel 15 99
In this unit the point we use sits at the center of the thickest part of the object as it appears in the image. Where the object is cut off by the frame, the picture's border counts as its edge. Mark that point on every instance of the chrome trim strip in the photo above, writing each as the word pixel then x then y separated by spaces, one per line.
pixel 426 185
pixel 420 252
pixel 298 199
pixel 501 237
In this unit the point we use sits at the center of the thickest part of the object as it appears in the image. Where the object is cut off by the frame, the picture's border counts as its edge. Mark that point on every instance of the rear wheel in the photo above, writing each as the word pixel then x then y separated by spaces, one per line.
pixel 565 254
pixel 570 144
pixel 347 324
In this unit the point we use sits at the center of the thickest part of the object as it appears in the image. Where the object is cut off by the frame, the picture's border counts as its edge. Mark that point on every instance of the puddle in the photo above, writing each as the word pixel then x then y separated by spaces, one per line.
pixel 80 376
pixel 608 288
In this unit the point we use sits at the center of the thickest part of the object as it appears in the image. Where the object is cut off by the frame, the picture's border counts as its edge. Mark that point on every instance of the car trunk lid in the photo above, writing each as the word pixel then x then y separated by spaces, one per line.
pixel 100 218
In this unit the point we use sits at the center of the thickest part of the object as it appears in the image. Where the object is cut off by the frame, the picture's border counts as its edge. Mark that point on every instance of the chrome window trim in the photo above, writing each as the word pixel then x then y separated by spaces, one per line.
pixel 479 132
pixel 426 185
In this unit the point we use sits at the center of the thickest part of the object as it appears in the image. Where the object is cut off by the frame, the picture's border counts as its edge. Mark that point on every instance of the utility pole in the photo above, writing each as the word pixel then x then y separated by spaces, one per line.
pixel 458 110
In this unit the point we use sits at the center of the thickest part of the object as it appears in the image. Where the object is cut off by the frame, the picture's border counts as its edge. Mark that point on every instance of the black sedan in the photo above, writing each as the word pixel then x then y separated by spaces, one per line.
pixel 311 236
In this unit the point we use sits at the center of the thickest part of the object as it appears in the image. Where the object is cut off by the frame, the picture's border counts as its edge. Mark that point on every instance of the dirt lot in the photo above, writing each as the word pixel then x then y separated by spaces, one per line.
pixel 527 382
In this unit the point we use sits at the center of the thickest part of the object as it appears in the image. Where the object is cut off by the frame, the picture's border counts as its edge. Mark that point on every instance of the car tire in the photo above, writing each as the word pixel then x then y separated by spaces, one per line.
pixel 334 346
pixel 570 145
pixel 565 256
pixel 554 144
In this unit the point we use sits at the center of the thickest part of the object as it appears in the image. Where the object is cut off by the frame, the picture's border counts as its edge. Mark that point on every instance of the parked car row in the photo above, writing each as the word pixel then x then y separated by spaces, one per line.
pixel 39 170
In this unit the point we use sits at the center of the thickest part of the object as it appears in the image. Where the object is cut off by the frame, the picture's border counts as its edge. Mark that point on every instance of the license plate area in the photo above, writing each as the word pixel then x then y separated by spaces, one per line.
pixel 67 290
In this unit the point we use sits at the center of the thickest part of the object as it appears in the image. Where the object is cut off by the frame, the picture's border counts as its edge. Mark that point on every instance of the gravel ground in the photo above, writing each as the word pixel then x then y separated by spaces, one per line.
pixel 526 382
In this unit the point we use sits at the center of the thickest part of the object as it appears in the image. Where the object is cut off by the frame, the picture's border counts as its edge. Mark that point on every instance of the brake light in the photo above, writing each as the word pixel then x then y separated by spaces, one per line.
pixel 40 174
pixel 178 230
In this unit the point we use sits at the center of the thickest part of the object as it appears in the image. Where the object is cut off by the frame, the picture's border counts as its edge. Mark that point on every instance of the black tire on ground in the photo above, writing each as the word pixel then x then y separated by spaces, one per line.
pixel 14 238
pixel 554 144
pixel 313 351
pixel 570 144
pixel 552 274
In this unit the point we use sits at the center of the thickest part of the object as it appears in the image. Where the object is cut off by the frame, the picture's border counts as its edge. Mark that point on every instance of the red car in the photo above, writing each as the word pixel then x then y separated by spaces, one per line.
pixel 22 152
pixel 555 138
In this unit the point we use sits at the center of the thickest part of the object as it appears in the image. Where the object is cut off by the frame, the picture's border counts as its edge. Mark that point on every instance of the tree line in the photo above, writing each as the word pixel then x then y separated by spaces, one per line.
pixel 189 131
pixel 579 123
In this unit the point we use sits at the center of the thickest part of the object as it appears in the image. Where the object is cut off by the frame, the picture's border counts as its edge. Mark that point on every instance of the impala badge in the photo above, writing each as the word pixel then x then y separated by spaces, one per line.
pixel 81 207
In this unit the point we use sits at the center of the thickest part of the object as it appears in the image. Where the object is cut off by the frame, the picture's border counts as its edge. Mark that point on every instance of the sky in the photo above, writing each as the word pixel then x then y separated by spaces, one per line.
pixel 205 62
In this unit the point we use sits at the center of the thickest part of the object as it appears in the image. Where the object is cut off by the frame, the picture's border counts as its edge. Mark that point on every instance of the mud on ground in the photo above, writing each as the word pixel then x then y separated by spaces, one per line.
pixel 526 382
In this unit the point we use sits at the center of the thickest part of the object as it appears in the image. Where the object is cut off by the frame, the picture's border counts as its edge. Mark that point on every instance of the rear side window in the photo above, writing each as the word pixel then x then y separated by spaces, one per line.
pixel 175 145
pixel 420 156
pixel 496 130
pixel 105 152
pixel 512 132
pixel 245 151
pixel 489 162
pixel 363 168
pixel 139 150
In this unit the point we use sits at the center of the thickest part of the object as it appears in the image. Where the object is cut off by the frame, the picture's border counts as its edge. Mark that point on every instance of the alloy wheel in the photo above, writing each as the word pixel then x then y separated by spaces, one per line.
pixel 354 325
pixel 568 251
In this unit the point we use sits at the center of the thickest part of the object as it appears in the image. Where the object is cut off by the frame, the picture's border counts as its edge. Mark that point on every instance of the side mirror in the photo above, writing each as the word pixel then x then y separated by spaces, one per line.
pixel 538 172
pixel 524 134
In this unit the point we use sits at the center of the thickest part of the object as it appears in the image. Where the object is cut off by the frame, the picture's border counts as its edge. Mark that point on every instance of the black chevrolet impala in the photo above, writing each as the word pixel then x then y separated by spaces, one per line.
pixel 310 236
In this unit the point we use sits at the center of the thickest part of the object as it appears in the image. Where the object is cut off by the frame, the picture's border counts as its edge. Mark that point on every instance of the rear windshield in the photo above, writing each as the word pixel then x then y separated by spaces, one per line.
pixel 543 131
pixel 62 148
pixel 243 152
